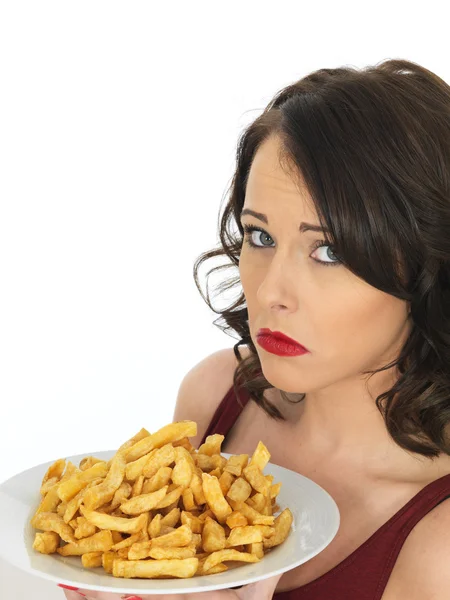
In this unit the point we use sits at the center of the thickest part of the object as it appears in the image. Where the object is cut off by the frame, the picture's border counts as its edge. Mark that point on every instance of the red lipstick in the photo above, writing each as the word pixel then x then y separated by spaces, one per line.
pixel 280 344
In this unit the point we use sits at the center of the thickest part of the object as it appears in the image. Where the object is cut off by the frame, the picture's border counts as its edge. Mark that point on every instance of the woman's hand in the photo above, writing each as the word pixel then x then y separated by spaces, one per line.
pixel 260 590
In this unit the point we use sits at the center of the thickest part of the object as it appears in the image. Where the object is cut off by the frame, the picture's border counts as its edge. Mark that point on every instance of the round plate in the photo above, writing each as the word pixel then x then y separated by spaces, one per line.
pixel 316 522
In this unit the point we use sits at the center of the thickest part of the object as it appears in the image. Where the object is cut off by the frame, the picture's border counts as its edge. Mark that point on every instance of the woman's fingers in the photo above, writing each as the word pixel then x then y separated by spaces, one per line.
pixel 260 590
pixel 71 594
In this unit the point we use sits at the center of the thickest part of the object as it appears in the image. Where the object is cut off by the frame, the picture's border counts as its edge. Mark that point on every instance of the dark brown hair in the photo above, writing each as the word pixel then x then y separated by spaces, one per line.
pixel 373 148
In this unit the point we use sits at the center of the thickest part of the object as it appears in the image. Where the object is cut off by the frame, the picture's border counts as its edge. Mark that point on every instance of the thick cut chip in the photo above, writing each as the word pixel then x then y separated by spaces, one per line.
pixel 185 567
pixel 90 560
pixel 236 463
pixel 161 553
pixel 223 555
pixel 122 524
pixel 256 479
pixel 55 470
pixel 282 527
pixel 215 498
pixel 261 457
pixel 213 536
pixel 212 444
pixel 99 542
pixel 184 467
pixel 144 502
pixel 248 534
pixel 182 536
pixel 46 542
pixel 84 529
pixel 104 492
pixel 121 494
pixel 169 433
pixel 240 490
pixel 48 521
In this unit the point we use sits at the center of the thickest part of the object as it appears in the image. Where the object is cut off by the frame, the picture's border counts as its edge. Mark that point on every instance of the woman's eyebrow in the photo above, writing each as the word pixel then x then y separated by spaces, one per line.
pixel 303 226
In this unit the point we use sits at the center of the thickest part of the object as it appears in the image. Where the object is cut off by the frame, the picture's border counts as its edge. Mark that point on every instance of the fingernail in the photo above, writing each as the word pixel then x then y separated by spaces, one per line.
pixel 131 598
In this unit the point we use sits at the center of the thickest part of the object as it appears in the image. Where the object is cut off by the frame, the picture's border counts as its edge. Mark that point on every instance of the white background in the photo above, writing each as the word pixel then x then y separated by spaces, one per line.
pixel 118 130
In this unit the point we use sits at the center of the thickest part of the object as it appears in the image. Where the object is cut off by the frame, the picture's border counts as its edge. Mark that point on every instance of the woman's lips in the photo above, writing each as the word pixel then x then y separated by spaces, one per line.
pixel 278 346
pixel 280 336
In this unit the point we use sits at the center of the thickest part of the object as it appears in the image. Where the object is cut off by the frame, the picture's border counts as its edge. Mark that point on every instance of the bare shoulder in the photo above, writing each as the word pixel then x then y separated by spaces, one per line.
pixel 421 570
pixel 203 388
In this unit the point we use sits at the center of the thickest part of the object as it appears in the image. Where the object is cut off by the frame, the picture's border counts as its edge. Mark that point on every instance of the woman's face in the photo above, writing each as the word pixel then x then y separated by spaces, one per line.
pixel 347 325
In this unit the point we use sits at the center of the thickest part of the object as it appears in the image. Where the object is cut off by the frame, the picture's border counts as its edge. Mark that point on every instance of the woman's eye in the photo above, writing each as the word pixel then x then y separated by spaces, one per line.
pixel 260 236
pixel 327 254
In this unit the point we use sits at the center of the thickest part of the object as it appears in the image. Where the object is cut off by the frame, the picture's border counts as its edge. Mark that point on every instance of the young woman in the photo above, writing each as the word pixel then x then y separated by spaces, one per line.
pixel 341 199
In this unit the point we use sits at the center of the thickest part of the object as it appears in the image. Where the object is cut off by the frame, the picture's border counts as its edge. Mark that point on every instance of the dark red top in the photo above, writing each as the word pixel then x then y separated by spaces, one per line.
pixel 363 575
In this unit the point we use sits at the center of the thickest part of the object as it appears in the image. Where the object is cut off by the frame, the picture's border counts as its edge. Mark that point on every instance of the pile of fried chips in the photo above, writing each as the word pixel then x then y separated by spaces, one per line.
pixel 160 508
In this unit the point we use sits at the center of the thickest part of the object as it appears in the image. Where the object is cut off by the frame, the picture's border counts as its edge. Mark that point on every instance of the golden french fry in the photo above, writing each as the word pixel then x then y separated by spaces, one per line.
pixel 48 521
pixel 224 555
pixel 236 463
pixel 107 560
pixel 184 467
pixel 236 519
pixel 144 502
pixel 240 490
pixel 124 525
pixel 181 536
pixel 121 494
pixel 256 479
pixel 87 462
pixel 169 433
pixel 215 498
pixel 193 522
pixel 213 536
pixel 54 471
pixel 84 528
pixel 90 560
pixel 104 492
pixel 185 567
pixel 282 526
pixel 100 541
pixel 212 444
pixel 160 553
pixel 46 542
pixel 249 534
pixel 261 457
pixel 137 486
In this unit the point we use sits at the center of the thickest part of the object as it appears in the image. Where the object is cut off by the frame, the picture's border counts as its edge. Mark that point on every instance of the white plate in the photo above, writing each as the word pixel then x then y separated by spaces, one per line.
pixel 316 522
